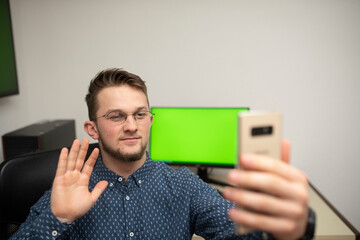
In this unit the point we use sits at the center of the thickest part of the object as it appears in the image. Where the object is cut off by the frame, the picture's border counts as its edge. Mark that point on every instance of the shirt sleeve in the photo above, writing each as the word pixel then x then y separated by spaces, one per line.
pixel 42 223
pixel 210 214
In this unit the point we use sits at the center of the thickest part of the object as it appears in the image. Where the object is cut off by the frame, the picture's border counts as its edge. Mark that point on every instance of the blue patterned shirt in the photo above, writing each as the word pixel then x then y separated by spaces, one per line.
pixel 155 202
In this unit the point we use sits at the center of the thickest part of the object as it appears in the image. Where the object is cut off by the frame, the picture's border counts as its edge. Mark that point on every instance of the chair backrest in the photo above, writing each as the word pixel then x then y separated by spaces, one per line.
pixel 23 180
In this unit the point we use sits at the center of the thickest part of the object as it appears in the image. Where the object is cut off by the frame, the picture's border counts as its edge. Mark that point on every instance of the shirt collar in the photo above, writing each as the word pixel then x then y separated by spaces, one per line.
pixel 143 174
pixel 101 172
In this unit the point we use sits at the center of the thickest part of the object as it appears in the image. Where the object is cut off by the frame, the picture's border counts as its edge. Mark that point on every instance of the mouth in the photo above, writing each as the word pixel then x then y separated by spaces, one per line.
pixel 129 139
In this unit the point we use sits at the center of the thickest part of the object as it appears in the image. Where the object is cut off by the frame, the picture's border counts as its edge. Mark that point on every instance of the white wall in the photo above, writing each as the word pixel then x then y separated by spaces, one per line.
pixel 298 57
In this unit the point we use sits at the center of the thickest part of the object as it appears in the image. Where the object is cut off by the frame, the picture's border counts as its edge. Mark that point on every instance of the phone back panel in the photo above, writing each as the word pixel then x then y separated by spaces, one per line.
pixel 260 133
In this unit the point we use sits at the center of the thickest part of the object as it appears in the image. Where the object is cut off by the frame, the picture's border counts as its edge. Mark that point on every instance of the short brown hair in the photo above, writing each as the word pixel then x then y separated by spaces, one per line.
pixel 109 78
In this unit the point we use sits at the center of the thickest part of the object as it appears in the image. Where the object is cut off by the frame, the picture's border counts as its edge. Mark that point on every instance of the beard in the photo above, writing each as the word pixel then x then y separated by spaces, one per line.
pixel 117 154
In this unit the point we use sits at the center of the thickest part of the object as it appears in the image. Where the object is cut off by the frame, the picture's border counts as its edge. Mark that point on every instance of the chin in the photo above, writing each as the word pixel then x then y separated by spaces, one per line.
pixel 132 157
pixel 132 151
pixel 131 154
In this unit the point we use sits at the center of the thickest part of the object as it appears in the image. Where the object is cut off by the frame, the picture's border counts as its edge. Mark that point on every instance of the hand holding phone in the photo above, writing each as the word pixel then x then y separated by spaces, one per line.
pixel 273 194
pixel 259 133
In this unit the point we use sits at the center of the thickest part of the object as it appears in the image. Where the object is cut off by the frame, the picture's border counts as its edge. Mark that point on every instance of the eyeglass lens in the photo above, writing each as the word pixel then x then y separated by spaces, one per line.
pixel 119 116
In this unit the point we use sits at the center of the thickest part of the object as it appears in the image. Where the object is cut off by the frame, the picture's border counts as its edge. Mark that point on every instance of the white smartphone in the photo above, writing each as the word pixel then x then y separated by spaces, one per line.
pixel 258 133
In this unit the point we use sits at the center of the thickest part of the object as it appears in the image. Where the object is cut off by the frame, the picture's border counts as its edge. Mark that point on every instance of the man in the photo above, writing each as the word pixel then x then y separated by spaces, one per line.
pixel 123 194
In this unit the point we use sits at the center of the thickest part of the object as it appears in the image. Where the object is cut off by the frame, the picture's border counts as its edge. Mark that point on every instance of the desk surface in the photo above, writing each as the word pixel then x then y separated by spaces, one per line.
pixel 329 226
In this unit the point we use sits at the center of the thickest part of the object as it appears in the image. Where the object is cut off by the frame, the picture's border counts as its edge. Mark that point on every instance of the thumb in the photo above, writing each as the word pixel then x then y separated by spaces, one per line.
pixel 98 190
pixel 285 151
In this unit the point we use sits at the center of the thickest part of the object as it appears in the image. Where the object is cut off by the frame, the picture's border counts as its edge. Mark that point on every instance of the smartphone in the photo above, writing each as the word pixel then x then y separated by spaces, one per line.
pixel 258 133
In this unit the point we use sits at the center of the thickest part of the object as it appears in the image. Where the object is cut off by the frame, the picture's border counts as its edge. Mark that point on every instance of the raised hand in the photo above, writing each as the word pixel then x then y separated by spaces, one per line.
pixel 279 204
pixel 70 196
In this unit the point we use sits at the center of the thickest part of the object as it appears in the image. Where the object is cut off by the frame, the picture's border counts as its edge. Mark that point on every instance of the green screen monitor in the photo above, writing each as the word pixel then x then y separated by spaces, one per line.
pixel 8 75
pixel 201 137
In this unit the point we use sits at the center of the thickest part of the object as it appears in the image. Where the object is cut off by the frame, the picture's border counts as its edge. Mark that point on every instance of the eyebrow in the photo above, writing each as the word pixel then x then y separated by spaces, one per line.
pixel 142 108
pixel 137 109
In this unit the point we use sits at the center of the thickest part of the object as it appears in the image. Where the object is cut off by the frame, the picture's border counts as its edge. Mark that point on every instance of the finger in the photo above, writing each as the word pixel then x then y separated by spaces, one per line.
pixel 270 165
pixel 270 184
pixel 89 164
pixel 74 151
pixel 262 222
pixel 61 167
pixel 264 203
pixel 285 151
pixel 98 190
pixel 82 153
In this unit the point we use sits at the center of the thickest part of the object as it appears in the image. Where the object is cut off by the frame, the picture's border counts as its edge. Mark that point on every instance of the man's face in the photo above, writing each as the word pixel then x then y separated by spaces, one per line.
pixel 125 141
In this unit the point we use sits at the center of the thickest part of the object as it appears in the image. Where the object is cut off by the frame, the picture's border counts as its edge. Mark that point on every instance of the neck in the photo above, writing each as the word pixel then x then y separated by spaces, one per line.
pixel 124 169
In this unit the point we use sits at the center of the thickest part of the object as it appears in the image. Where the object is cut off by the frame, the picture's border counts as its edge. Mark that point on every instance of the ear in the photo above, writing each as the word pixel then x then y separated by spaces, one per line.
pixel 91 129
pixel 151 120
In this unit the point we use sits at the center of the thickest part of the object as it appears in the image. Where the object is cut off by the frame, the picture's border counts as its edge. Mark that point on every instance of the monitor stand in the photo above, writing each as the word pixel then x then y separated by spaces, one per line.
pixel 203 174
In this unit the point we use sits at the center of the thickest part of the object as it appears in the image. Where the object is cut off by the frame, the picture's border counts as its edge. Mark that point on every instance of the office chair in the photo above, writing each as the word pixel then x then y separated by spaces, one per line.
pixel 23 180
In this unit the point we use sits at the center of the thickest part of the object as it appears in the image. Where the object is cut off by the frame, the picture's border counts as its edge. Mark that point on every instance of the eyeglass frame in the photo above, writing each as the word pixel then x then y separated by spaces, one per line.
pixel 106 115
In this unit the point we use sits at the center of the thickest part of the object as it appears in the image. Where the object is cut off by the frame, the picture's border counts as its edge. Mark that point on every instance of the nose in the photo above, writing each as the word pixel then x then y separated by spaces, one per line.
pixel 130 124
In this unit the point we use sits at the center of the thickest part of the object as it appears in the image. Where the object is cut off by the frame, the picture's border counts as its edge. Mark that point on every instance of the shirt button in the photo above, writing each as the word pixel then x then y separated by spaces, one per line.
pixel 127 198
pixel 120 179
pixel 139 181
pixel 264 236
pixel 54 233
pixel 131 234
pixel 111 184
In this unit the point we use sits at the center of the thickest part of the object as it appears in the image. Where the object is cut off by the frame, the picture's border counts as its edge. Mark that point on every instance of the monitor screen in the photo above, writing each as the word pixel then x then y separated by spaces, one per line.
pixel 195 136
pixel 8 76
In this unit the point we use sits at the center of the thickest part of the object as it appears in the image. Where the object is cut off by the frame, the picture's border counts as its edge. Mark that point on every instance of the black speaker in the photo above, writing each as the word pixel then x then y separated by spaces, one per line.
pixel 41 136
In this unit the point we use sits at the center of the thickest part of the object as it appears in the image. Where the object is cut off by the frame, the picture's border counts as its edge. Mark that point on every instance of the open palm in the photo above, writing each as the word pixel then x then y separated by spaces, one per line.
pixel 70 196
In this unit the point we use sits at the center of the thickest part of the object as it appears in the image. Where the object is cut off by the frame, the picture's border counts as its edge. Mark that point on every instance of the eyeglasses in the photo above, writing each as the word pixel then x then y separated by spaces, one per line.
pixel 119 116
